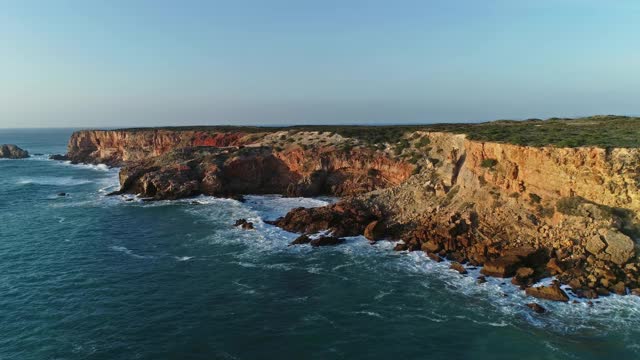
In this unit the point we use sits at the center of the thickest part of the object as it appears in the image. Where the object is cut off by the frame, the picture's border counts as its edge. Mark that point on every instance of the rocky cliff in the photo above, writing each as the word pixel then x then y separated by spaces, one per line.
pixel 116 147
pixel 165 164
pixel 519 211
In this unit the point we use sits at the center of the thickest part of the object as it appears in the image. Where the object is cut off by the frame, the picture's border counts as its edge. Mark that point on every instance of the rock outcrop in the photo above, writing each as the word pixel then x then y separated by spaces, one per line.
pixel 10 151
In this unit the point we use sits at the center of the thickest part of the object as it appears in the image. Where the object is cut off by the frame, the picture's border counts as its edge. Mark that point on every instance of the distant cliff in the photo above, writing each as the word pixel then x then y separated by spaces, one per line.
pixel 173 164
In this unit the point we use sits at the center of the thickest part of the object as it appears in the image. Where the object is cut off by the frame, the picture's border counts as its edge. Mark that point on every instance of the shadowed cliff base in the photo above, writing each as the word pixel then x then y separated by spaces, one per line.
pixel 495 195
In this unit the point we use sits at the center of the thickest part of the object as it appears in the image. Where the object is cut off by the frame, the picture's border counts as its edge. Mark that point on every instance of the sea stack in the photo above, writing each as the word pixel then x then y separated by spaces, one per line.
pixel 10 151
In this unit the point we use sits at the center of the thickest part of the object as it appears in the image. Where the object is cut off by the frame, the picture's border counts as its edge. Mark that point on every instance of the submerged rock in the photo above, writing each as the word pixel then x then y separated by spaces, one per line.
pixel 537 308
pixel 59 157
pixel 243 223
pixel 10 151
pixel 300 240
pixel 326 241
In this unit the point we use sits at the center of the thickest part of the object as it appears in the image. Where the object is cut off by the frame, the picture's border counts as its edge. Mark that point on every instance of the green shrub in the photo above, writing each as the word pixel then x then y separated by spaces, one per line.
pixel 423 142
pixel 545 212
pixel 535 198
pixel 489 163
pixel 569 205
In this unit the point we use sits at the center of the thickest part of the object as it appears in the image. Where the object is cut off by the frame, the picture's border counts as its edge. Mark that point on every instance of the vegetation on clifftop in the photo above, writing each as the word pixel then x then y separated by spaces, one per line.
pixel 600 131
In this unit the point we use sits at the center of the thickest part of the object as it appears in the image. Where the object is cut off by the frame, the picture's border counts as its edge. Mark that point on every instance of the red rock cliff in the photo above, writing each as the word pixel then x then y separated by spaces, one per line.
pixel 287 163
pixel 115 147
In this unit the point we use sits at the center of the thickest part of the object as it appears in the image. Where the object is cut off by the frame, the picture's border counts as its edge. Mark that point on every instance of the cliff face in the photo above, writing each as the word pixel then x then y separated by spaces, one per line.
pixel 605 176
pixel 120 146
pixel 553 211
pixel 609 177
pixel 172 164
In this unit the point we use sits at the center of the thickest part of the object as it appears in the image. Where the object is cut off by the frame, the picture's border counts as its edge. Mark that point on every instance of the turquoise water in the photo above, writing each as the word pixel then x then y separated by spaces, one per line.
pixel 90 277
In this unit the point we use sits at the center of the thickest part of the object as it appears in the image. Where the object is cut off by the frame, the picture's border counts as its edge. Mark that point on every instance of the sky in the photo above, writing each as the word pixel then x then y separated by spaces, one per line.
pixel 90 63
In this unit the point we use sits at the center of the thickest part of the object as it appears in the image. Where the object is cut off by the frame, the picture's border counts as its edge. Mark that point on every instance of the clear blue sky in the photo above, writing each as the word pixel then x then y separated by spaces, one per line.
pixel 123 63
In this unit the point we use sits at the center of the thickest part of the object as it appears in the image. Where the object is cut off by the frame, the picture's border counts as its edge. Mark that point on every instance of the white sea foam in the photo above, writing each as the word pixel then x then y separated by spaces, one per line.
pixel 97 167
pixel 607 314
pixel 369 313
pixel 54 181
pixel 183 258
pixel 129 252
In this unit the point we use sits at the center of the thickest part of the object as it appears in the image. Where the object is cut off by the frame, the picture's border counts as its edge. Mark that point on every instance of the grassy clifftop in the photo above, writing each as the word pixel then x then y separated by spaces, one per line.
pixel 600 131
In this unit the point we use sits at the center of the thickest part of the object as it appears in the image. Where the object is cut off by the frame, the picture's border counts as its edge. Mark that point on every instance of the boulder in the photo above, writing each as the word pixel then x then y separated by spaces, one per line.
pixel 524 273
pixel 302 239
pixel 551 292
pixel 587 293
pixel 504 266
pixel 619 288
pixel 346 218
pixel 326 241
pixel 243 223
pixel 602 291
pixel 537 308
pixel 595 245
pixel 400 247
pixel 481 279
pixel 553 266
pixel 523 276
pixel 458 267
pixel 248 226
pixel 374 231
pixel 434 257
pixel 431 246
pixel 511 259
pixel 620 247
pixel 239 222
pixel 10 151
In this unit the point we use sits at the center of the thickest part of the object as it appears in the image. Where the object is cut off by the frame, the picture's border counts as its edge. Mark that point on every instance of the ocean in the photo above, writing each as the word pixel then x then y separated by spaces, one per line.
pixel 85 276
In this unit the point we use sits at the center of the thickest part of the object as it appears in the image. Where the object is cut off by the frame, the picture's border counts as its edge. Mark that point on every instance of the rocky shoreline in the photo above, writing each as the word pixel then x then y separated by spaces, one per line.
pixel 518 212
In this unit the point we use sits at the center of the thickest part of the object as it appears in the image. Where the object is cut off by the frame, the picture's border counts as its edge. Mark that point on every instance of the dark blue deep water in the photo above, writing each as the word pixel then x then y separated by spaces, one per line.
pixel 90 277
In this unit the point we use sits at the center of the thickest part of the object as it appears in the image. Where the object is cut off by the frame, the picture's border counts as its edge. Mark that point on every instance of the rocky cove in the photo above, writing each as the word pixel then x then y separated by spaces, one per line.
pixel 519 212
